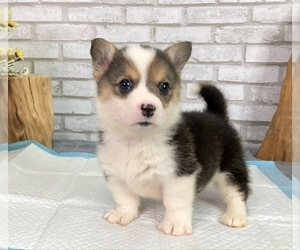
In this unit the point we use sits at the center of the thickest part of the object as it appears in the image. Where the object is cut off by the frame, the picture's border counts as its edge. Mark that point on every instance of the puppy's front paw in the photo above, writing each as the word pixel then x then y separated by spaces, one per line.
pixel 175 228
pixel 234 220
pixel 122 216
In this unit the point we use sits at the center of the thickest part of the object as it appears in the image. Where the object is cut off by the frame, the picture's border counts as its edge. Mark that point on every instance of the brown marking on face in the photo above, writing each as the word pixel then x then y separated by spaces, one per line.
pixel 120 68
pixel 161 70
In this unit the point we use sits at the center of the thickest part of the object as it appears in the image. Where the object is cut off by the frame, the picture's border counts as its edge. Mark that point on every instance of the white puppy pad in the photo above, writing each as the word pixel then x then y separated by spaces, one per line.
pixel 58 202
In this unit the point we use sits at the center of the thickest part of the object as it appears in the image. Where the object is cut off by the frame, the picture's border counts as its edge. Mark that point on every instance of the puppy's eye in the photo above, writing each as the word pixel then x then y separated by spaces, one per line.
pixel 164 88
pixel 125 85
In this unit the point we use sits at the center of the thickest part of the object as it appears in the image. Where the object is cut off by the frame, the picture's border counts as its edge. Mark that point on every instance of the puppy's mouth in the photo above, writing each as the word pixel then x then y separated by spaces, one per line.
pixel 145 124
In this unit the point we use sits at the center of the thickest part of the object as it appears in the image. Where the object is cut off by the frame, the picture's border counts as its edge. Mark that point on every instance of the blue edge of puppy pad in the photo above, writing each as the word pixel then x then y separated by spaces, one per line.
pixel 268 168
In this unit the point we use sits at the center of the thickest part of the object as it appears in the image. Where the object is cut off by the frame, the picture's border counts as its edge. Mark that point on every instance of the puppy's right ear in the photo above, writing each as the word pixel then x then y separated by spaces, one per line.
pixel 102 53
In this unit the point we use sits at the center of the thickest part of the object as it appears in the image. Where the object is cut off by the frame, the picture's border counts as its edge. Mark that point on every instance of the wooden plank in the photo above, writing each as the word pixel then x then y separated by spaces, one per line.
pixel 296 111
pixel 277 144
pixel 3 110
pixel 30 109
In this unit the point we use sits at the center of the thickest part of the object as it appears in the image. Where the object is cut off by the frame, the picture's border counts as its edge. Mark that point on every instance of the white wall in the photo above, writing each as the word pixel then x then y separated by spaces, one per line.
pixel 243 45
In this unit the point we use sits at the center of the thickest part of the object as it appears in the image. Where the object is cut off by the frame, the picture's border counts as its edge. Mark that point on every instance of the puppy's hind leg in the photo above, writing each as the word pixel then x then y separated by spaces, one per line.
pixel 234 198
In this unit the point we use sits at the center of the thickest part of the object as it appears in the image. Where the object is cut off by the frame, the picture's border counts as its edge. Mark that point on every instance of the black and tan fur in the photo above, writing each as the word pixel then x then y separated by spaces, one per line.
pixel 163 153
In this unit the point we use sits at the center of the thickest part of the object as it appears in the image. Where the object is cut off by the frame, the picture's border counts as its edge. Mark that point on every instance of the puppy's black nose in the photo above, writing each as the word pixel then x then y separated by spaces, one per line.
pixel 147 110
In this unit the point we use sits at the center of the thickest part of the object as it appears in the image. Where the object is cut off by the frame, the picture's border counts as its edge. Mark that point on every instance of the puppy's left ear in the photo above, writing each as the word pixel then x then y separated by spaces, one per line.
pixel 179 54
pixel 102 53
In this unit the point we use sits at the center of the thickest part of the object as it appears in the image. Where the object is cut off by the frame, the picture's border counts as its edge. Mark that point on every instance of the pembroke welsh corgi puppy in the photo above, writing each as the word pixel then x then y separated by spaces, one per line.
pixel 148 147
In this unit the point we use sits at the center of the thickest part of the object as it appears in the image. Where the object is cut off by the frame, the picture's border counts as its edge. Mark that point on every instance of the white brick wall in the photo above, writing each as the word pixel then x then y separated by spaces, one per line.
pixel 253 74
pixel 86 88
pixel 123 33
pixel 177 34
pixel 268 53
pixel 248 34
pixel 153 15
pixel 72 106
pixel 224 14
pixel 272 14
pixel 240 45
pixel 95 14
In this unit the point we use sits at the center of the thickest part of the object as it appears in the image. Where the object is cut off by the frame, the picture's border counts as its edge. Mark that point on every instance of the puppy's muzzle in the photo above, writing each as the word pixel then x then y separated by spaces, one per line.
pixel 147 110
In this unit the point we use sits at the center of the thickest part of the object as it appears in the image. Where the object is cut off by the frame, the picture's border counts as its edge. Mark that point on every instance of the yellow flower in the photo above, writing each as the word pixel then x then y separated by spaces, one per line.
pixel 12 24
pixel 19 53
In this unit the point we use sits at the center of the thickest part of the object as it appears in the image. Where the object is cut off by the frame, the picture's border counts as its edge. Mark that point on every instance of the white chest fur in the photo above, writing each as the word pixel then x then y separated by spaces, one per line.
pixel 141 162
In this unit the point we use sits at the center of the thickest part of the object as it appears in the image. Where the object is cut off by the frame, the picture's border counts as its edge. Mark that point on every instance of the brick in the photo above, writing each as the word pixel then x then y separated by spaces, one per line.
pixel 292 33
pixel 268 53
pixel 94 106
pixel 288 33
pixel 181 2
pixel 37 50
pixel 189 93
pixel 64 69
pixel 78 124
pixel 233 92
pixel 70 136
pixel 79 88
pixel 77 50
pixel 251 112
pixel 175 34
pixel 207 15
pixel 197 72
pixel 72 106
pixel 250 1
pixel 37 13
pixel 57 123
pixel 22 32
pixel 256 133
pixel 24 1
pixel 94 137
pixel 247 34
pixel 296 33
pixel 272 14
pixel 64 32
pixel 56 88
pixel 153 15
pixel 124 33
pixel 251 145
pixel 217 53
pixel 95 14
pixel 274 1
pixel 263 94
pixel 262 74
pixel 112 2
pixel 196 106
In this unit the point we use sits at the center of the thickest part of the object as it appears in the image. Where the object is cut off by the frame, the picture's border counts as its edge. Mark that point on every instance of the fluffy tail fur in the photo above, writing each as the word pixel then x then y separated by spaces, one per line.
pixel 216 103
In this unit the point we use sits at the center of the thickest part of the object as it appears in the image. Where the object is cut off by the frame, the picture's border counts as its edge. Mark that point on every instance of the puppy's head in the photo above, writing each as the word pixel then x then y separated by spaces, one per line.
pixel 138 86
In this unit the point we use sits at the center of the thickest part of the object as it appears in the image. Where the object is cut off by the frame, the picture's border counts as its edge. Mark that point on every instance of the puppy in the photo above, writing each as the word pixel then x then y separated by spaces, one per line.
pixel 149 148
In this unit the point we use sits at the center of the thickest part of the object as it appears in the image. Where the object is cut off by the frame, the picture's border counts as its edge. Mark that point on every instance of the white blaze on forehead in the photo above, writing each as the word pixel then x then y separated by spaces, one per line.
pixel 141 57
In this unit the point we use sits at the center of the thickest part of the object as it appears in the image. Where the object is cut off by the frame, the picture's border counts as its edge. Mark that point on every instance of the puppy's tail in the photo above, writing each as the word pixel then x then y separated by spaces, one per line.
pixel 216 103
